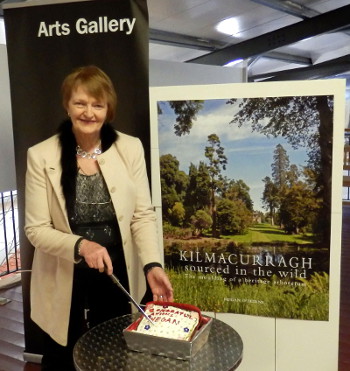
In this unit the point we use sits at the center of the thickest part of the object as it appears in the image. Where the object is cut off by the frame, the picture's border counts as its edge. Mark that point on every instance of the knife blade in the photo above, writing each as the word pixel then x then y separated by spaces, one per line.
pixel 117 282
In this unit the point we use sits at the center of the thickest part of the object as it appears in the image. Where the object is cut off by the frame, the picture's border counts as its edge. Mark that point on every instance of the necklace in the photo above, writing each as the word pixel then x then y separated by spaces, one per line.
pixel 97 151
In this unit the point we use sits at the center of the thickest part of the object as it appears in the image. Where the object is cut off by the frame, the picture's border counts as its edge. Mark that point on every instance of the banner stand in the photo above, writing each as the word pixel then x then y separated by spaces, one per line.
pixel 46 41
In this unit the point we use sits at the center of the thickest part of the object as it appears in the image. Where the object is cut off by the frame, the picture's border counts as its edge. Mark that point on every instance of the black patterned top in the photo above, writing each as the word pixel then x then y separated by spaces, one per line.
pixel 93 215
pixel 93 202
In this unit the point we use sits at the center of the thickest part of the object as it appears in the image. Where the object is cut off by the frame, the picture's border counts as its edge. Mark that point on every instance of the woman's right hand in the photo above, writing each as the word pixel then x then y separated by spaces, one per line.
pixel 96 256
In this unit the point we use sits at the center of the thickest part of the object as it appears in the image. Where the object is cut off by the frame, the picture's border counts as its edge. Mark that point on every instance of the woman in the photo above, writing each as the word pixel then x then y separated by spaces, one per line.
pixel 88 211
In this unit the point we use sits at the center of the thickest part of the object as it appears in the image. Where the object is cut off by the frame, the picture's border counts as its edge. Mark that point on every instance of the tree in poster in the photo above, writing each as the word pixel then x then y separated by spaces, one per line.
pixel 198 191
pixel 298 208
pixel 174 184
pixel 233 216
pixel 237 190
pixel 270 198
pixel 201 220
pixel 186 111
pixel 280 167
pixel 214 152
pixel 289 194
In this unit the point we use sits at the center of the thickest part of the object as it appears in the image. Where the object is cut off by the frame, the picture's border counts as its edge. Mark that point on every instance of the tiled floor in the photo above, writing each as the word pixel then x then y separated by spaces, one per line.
pixel 12 331
pixel 344 328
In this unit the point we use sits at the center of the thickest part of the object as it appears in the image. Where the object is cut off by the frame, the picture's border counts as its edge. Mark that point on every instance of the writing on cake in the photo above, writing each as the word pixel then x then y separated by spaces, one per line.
pixel 169 321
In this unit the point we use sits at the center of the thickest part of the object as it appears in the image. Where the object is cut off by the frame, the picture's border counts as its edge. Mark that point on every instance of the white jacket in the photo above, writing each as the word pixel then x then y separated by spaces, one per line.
pixel 47 228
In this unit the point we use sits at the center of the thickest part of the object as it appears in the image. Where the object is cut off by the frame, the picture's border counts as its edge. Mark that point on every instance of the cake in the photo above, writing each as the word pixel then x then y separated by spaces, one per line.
pixel 171 320
pixel 178 330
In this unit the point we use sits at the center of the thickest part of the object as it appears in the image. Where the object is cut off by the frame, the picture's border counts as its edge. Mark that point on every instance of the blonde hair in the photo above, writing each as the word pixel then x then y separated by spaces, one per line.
pixel 97 84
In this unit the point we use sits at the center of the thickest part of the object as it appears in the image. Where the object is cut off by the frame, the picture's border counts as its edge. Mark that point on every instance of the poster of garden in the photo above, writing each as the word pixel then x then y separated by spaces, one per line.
pixel 246 203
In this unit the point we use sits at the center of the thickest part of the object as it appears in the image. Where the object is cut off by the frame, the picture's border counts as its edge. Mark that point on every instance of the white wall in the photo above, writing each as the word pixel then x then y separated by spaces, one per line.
pixel 163 73
pixel 7 157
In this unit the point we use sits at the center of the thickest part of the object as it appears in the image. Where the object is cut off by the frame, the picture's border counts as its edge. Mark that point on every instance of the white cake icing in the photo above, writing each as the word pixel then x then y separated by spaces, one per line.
pixel 170 322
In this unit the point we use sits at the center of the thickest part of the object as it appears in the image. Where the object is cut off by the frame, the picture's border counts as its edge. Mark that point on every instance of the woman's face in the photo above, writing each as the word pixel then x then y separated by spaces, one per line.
pixel 86 112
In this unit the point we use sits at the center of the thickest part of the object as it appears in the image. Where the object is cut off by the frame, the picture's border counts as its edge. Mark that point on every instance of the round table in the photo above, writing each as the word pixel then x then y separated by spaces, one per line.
pixel 103 348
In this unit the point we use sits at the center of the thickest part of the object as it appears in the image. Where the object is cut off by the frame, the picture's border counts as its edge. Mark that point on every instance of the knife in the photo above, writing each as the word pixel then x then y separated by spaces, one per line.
pixel 117 282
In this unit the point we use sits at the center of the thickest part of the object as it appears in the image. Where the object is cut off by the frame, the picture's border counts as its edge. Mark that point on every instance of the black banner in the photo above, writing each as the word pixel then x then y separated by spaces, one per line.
pixel 45 42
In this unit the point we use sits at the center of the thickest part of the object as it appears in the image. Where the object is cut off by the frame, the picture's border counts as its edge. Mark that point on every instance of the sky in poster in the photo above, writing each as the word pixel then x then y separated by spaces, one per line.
pixel 249 154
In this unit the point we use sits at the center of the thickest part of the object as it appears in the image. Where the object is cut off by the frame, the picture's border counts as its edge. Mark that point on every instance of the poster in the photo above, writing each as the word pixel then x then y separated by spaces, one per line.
pixel 247 182
pixel 45 41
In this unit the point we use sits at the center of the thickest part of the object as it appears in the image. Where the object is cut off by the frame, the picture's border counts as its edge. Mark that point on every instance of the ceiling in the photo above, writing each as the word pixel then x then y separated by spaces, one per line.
pixel 273 39
pixel 277 39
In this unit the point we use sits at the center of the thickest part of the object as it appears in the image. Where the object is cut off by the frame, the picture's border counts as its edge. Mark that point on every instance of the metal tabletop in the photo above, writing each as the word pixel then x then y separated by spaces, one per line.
pixel 103 348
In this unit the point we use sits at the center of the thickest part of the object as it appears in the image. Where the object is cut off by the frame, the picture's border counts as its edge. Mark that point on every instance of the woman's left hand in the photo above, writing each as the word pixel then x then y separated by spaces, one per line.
pixel 160 285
